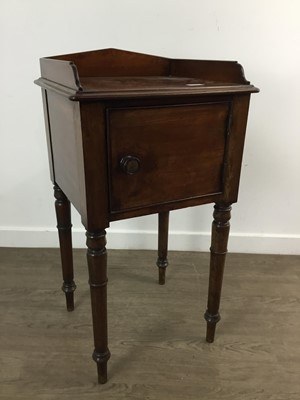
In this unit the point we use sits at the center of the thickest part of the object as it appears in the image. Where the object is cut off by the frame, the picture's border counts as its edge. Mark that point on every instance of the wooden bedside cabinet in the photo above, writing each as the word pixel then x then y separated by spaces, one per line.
pixel 132 134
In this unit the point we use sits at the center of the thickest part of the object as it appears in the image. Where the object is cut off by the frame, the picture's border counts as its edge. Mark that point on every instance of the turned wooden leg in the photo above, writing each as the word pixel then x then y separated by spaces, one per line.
pixel 63 216
pixel 97 264
pixel 219 240
pixel 163 231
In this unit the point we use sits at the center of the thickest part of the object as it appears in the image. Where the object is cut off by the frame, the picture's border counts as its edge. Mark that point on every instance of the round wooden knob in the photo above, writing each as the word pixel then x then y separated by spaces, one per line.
pixel 130 164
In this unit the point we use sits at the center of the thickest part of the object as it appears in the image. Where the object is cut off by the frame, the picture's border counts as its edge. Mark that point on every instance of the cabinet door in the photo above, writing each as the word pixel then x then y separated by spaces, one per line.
pixel 166 154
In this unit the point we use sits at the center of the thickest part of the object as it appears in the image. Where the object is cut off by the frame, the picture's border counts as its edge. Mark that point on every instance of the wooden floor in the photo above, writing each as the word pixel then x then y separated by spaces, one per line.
pixel 156 332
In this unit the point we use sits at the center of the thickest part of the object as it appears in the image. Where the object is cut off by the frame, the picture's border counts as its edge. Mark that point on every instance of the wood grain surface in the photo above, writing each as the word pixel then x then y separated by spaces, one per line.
pixel 157 333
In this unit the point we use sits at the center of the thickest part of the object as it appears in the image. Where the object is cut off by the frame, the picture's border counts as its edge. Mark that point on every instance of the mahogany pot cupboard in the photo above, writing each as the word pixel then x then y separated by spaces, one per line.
pixel 132 134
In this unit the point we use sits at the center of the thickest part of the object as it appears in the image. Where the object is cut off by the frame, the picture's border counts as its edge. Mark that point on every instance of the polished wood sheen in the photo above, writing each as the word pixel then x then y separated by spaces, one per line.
pixel 155 135
pixel 132 134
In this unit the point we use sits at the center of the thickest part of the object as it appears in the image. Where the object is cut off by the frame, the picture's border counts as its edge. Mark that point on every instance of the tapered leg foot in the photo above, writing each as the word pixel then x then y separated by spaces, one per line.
pixel 63 216
pixel 97 264
pixel 220 233
pixel 211 320
pixel 162 273
pixel 69 293
pixel 162 260
pixel 101 360
pixel 102 373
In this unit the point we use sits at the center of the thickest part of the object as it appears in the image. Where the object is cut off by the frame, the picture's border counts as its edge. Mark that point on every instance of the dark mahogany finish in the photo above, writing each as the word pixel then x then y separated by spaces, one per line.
pixel 219 239
pixel 132 134
pixel 162 260
pixel 64 226
pixel 97 262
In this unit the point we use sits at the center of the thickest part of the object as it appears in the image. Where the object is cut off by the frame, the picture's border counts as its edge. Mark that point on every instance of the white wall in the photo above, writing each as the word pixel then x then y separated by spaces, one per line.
pixel 263 35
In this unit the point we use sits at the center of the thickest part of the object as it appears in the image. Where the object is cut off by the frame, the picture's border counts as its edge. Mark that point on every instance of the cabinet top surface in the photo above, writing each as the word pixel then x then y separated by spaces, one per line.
pixel 113 73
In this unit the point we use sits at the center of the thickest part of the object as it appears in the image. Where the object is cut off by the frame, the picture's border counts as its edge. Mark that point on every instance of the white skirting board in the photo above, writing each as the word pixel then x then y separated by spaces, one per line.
pixel 147 240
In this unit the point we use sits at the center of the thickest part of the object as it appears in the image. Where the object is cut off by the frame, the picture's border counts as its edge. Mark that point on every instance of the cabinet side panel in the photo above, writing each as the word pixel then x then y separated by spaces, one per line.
pixel 48 134
pixel 95 165
pixel 64 117
pixel 235 147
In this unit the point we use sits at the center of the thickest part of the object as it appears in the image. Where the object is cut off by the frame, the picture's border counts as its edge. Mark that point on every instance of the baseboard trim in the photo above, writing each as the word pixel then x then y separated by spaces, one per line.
pixel 185 241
